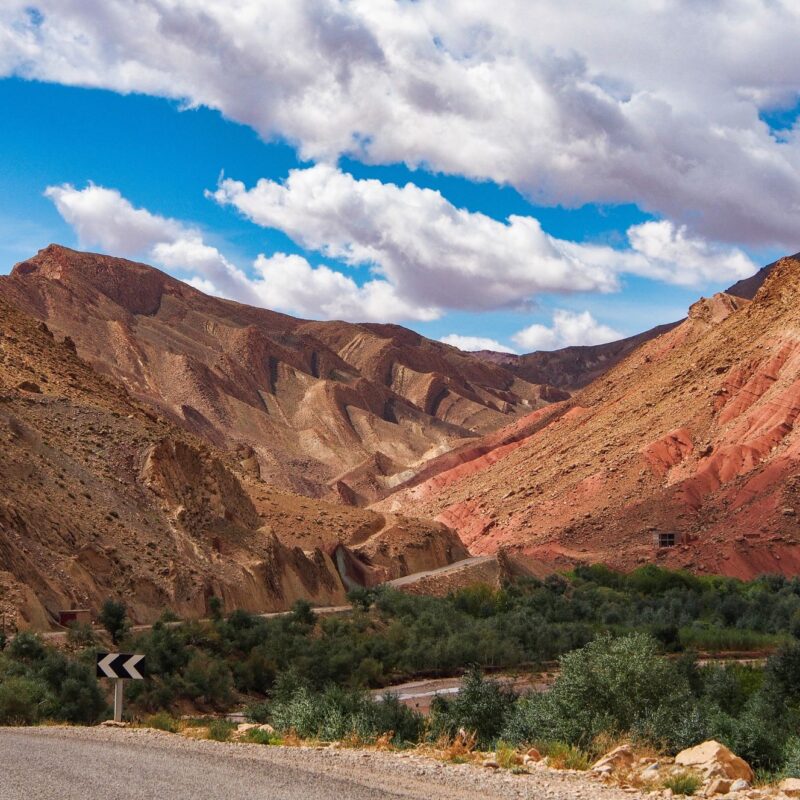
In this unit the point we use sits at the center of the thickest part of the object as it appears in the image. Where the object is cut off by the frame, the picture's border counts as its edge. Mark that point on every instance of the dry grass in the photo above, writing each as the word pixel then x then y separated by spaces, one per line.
pixel 384 741
pixel 507 756
pixel 291 739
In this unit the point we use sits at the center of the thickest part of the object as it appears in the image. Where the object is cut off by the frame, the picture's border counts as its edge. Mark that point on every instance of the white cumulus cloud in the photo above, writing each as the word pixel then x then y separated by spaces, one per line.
pixel 435 253
pixel 473 343
pixel 569 328
pixel 568 101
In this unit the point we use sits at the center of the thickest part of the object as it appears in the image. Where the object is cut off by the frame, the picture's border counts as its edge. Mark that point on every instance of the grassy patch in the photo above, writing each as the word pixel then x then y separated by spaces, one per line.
pixel 686 783
pixel 561 755
pixel 507 756
pixel 162 721
pixel 256 736
pixel 220 730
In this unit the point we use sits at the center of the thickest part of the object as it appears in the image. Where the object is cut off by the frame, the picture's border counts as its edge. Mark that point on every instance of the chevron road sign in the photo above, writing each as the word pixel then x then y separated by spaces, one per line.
pixel 120 665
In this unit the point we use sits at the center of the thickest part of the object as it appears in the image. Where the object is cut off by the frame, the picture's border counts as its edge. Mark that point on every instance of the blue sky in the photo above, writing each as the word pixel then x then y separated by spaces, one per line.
pixel 614 243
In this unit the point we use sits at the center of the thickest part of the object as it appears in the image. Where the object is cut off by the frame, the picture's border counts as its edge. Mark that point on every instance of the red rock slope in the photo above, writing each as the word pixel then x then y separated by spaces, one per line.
pixel 100 496
pixel 693 433
pixel 327 409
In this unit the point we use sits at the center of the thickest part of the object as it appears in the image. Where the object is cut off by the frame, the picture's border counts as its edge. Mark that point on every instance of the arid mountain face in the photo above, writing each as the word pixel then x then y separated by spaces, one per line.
pixel 693 434
pixel 102 496
pixel 328 409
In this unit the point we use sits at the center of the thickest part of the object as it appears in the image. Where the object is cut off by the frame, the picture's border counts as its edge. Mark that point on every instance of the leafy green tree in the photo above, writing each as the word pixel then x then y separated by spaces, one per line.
pixel 114 618
pixel 605 687
pixel 215 607
pixel 303 614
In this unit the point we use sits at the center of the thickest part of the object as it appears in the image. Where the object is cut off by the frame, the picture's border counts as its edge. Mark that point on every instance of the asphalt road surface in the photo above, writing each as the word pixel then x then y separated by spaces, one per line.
pixel 93 763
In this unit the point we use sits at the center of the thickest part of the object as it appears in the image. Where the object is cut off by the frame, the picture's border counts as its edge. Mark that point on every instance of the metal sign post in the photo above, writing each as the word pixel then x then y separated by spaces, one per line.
pixel 120 667
pixel 118 699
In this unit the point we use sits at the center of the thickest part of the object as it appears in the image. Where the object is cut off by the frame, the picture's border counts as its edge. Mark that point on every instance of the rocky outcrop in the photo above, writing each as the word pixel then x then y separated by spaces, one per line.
pixel 714 760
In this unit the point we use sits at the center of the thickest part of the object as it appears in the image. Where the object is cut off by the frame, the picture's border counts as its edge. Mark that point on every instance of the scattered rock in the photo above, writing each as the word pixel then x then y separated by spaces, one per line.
pixel 790 787
pixel 266 728
pixel 718 786
pixel 110 723
pixel 243 727
pixel 533 754
pixel 29 386
pixel 714 760
pixel 491 764
pixel 739 785
pixel 621 757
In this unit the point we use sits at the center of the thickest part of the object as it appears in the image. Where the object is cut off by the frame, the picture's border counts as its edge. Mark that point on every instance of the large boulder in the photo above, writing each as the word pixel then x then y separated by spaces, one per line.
pixel 714 760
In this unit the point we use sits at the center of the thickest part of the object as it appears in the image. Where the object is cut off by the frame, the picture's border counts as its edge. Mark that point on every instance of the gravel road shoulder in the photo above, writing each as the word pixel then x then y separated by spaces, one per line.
pixel 129 764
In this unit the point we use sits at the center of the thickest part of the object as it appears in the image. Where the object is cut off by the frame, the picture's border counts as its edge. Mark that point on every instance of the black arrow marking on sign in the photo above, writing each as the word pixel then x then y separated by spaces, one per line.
pixel 120 665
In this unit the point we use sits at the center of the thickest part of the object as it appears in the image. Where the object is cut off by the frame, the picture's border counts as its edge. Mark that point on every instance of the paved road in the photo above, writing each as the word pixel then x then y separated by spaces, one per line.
pixel 111 764
pixel 446 569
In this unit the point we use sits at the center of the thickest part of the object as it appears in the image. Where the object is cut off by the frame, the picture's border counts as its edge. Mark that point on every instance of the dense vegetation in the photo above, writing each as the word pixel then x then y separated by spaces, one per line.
pixel 612 632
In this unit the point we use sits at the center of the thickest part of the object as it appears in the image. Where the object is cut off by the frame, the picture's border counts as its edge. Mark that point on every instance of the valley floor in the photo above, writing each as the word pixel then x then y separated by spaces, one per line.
pixel 61 763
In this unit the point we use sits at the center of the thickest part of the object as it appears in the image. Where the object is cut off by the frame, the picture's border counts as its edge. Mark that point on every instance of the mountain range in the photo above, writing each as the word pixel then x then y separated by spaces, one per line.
pixel 168 446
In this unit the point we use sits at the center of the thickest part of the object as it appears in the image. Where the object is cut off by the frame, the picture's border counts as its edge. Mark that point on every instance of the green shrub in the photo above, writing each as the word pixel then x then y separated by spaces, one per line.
pixel 480 707
pixel 76 695
pixel 22 701
pixel 338 713
pixel 208 681
pixel 81 634
pixel 257 712
pixel 27 648
pixel 564 756
pixel 791 758
pixel 257 736
pixel 605 687
pixel 686 783
pixel 220 730
pixel 390 715
pixel 303 614
pixel 113 617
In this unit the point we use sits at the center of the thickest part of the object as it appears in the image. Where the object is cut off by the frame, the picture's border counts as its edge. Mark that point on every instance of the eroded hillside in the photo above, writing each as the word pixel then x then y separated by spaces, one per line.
pixel 102 496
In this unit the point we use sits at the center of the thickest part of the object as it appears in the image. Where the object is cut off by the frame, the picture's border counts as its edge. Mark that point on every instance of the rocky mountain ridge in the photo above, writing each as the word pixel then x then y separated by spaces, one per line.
pixel 328 409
